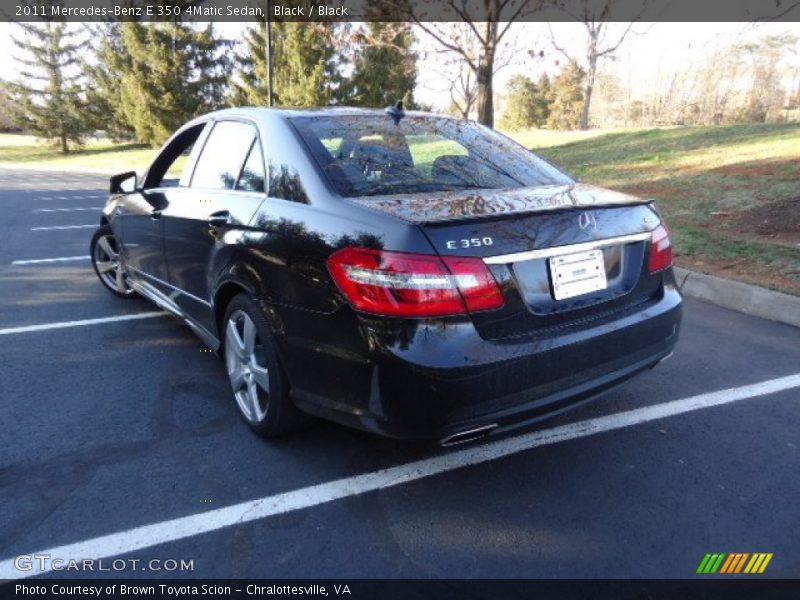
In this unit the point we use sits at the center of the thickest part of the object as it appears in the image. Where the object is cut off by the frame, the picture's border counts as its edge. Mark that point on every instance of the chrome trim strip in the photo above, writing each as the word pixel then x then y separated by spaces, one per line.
pixel 169 285
pixel 504 259
pixel 155 296
pixel 152 294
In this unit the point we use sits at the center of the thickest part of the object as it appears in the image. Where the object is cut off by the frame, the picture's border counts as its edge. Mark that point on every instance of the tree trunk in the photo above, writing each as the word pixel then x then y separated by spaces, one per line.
pixel 64 146
pixel 591 59
pixel 485 75
pixel 587 102
pixel 485 96
pixel 589 88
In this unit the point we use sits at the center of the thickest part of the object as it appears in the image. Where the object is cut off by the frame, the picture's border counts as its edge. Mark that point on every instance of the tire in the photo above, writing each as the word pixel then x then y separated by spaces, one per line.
pixel 258 382
pixel 104 251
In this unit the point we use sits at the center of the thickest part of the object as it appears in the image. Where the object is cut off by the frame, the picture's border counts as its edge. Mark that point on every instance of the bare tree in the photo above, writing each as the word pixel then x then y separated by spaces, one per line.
pixel 463 92
pixel 594 17
pixel 488 23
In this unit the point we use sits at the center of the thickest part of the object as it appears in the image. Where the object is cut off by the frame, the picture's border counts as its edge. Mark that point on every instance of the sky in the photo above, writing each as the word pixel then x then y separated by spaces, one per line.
pixel 648 49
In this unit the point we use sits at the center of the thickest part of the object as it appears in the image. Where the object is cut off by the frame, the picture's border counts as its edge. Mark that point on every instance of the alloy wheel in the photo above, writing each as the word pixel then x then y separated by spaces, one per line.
pixel 107 261
pixel 244 359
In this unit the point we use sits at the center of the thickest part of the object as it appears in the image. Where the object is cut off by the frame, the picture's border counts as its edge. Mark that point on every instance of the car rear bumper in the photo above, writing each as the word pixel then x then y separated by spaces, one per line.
pixel 437 380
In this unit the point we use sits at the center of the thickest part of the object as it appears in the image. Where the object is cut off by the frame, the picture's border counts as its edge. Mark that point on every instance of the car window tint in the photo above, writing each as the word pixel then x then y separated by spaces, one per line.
pixel 176 170
pixel 223 155
pixel 169 168
pixel 252 177
pixel 373 155
pixel 333 145
pixel 284 182
pixel 426 149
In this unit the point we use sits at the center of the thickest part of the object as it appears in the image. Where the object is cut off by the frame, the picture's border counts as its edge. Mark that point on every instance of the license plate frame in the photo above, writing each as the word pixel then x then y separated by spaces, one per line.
pixel 577 274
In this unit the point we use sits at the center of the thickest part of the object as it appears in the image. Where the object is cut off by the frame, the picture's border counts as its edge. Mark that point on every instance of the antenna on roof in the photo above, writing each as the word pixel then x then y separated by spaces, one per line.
pixel 396 111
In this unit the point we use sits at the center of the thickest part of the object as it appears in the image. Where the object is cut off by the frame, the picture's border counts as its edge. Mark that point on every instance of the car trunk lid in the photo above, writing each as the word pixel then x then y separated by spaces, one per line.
pixel 462 205
pixel 595 242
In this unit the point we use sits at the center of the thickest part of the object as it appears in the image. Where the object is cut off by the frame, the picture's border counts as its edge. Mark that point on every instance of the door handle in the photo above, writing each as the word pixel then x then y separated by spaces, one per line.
pixel 219 219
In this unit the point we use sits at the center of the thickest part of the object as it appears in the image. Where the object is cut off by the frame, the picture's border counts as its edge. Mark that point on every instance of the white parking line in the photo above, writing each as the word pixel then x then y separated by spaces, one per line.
pixel 79 197
pixel 37 261
pixel 83 323
pixel 172 530
pixel 46 210
pixel 64 227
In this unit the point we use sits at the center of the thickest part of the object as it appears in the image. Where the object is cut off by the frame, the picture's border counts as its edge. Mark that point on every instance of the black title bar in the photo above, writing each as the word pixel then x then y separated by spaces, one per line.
pixel 401 10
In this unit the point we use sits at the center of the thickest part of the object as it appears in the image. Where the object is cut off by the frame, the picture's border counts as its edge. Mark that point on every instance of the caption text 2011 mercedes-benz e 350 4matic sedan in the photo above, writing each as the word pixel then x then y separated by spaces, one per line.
pixel 409 274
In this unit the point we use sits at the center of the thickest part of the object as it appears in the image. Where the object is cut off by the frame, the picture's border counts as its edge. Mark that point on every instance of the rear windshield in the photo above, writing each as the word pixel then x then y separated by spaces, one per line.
pixel 371 155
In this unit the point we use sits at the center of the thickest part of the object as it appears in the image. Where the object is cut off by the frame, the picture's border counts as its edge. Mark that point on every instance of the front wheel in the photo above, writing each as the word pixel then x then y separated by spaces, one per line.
pixel 106 262
pixel 258 382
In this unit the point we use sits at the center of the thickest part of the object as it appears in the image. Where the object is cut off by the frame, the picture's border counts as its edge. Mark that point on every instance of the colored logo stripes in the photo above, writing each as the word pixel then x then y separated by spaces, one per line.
pixel 735 562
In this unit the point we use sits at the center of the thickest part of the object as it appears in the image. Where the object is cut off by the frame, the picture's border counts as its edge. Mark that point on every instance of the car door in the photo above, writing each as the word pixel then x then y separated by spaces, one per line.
pixel 143 228
pixel 226 188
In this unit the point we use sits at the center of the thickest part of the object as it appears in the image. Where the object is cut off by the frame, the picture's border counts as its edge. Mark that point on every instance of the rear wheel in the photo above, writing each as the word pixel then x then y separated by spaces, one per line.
pixel 106 262
pixel 257 379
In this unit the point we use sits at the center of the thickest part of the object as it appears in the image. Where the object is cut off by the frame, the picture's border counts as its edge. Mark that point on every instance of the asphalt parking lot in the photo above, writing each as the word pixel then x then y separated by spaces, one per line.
pixel 120 439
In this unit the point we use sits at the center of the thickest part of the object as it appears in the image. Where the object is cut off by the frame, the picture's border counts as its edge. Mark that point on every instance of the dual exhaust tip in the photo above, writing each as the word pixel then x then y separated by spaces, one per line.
pixel 468 435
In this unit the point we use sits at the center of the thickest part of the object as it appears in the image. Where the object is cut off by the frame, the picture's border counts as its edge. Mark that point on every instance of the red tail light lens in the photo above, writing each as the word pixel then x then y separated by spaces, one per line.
pixel 413 285
pixel 660 250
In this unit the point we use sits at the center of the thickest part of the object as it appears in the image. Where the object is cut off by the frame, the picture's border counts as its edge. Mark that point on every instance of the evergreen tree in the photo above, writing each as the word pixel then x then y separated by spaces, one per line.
pixel 305 65
pixel 104 92
pixel 6 124
pixel 250 87
pixel 567 106
pixel 175 72
pixel 543 101
pixel 520 98
pixel 527 103
pixel 47 98
pixel 385 67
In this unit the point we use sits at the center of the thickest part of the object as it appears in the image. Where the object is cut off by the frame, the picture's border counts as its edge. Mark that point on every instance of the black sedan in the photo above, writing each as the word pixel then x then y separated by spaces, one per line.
pixel 409 274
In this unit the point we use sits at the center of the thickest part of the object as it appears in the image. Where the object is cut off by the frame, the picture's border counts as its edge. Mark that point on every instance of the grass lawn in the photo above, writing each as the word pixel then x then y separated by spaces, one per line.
pixel 731 194
pixel 100 155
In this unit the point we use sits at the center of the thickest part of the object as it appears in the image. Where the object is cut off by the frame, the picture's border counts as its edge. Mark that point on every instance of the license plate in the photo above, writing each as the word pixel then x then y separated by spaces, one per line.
pixel 577 274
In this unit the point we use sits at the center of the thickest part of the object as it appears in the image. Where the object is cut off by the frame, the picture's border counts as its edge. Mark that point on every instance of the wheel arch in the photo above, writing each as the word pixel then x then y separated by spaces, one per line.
pixel 226 291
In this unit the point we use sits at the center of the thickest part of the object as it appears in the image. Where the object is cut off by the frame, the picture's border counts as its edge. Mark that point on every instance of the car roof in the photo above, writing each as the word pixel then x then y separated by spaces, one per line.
pixel 256 112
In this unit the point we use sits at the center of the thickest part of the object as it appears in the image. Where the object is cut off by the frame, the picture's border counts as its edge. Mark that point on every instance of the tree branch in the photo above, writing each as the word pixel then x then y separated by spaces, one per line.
pixel 450 45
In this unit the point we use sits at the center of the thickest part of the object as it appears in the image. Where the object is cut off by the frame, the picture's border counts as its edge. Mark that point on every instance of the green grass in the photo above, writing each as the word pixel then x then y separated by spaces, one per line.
pixel 102 155
pixel 697 174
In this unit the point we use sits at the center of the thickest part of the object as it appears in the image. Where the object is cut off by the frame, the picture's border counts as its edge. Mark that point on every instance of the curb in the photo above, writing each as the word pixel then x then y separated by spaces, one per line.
pixel 742 297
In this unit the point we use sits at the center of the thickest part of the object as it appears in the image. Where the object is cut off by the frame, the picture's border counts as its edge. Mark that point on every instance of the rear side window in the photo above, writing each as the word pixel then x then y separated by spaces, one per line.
pixel 252 177
pixel 224 155
pixel 284 183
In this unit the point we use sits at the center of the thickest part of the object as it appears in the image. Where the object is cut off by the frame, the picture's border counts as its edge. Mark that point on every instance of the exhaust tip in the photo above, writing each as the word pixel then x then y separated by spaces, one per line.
pixel 469 435
pixel 661 360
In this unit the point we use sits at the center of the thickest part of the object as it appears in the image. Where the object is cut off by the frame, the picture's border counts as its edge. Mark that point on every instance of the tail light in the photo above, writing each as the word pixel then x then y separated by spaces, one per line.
pixel 660 250
pixel 413 285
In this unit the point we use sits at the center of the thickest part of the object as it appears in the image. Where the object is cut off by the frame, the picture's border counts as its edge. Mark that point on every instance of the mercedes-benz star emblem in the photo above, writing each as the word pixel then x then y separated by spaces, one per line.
pixel 587 220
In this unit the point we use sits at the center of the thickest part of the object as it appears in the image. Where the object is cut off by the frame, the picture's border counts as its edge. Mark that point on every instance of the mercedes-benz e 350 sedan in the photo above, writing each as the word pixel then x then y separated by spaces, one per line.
pixel 409 274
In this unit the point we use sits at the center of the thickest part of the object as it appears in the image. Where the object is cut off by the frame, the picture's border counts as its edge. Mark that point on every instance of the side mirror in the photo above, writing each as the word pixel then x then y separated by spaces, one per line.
pixel 124 183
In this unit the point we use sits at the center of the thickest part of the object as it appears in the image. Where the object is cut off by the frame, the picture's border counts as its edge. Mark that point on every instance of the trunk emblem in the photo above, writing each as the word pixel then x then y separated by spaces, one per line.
pixel 587 220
